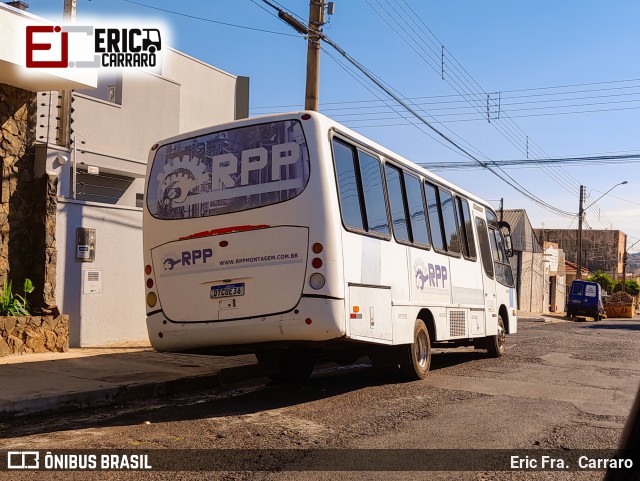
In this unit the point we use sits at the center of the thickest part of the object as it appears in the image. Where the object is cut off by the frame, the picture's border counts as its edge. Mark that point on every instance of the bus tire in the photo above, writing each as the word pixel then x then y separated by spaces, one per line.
pixel 495 344
pixel 287 365
pixel 415 358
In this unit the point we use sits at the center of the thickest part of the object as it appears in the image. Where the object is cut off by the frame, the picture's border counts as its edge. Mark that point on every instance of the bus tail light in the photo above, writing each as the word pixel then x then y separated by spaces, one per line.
pixel 147 269
pixel 149 282
pixel 152 299
pixel 317 281
pixel 316 263
pixel 317 248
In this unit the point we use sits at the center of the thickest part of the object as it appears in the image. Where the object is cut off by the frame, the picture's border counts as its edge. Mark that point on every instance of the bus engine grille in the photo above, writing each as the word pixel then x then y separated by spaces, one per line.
pixel 457 323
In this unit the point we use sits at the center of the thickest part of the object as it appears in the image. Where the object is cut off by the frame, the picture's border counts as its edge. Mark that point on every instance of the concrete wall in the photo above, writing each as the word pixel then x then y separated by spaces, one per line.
pixel 208 94
pixel 117 313
pixel 150 110
pixel 533 282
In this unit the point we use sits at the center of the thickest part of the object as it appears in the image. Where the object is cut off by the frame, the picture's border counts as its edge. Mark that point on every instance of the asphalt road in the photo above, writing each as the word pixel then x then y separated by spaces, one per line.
pixel 561 385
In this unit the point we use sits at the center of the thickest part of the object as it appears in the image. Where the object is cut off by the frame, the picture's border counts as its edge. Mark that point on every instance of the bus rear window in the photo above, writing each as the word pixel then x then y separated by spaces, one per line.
pixel 229 171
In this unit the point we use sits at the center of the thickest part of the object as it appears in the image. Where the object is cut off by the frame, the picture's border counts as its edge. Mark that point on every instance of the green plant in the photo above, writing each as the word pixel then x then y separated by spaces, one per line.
pixel 631 287
pixel 605 281
pixel 14 304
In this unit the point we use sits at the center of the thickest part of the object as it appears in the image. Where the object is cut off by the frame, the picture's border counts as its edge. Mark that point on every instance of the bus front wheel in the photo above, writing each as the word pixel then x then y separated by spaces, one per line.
pixel 495 344
pixel 415 358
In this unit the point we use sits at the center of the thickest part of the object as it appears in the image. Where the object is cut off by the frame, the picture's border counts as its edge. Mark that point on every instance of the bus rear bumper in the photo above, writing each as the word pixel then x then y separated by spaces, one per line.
pixel 313 319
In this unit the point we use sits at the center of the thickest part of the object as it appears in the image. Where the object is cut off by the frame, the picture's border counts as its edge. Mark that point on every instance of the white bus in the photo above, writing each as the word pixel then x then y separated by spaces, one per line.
pixel 294 237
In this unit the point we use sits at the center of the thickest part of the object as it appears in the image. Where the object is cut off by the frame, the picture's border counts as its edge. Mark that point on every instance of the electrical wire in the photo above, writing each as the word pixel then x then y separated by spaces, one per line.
pixel 203 19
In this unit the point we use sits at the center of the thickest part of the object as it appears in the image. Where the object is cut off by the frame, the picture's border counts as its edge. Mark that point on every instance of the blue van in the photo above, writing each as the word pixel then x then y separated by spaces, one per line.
pixel 585 297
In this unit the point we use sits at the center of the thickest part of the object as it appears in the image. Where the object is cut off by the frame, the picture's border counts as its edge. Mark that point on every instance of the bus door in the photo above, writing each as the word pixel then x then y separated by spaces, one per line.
pixel 488 277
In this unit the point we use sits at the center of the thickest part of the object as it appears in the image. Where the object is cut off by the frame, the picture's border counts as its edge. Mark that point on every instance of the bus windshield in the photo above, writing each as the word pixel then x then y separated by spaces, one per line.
pixel 228 171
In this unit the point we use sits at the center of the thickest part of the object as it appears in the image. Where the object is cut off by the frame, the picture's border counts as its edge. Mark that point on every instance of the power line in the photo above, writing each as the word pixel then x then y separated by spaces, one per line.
pixel 398 99
pixel 457 97
pixel 203 19
pixel 460 80
pixel 600 159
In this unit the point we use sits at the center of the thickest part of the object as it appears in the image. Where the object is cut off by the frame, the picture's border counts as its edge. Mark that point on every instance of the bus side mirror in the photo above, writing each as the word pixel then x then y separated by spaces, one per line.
pixel 505 228
pixel 508 246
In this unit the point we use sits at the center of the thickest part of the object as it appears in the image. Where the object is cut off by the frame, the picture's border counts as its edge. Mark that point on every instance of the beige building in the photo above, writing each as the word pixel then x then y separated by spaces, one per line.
pixel 531 273
pixel 556 268
pixel 602 250
pixel 100 160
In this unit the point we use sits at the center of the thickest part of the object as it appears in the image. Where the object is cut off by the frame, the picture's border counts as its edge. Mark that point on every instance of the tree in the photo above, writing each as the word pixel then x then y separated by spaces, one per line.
pixel 605 281
pixel 631 287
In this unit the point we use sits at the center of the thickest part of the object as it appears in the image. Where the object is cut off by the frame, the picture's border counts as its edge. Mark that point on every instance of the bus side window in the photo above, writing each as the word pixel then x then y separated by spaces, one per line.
pixel 485 248
pixel 374 199
pixel 397 204
pixel 466 230
pixel 348 186
pixel 451 232
pixel 417 215
pixel 435 223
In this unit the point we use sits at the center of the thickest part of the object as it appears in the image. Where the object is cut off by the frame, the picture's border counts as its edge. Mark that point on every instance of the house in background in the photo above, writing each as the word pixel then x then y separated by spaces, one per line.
pixel 531 273
pixel 602 250
pixel 554 258
pixel 571 271
pixel 97 145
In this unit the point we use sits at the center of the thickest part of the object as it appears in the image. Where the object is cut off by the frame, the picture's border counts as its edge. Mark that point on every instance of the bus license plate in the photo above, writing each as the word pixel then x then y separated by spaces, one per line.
pixel 227 290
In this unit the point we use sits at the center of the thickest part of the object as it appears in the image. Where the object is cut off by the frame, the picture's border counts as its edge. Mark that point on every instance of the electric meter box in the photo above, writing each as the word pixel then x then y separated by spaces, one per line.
pixel 85 244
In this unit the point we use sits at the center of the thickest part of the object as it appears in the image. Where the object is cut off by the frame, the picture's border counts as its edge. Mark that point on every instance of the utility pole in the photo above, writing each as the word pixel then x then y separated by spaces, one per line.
pixel 316 20
pixel 624 266
pixel 581 211
pixel 580 216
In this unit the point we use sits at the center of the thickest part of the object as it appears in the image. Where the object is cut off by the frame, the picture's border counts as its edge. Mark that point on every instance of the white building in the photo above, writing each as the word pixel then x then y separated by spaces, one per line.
pixel 113 127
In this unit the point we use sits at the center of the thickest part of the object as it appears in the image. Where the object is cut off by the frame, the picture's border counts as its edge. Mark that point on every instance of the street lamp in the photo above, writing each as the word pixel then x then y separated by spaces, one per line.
pixel 581 211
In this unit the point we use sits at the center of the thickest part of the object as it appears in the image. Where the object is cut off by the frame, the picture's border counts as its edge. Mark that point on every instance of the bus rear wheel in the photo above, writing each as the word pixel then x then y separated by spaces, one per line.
pixel 415 358
pixel 286 365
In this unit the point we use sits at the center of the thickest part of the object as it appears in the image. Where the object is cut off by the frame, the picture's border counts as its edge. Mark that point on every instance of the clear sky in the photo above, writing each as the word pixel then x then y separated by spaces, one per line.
pixel 562 77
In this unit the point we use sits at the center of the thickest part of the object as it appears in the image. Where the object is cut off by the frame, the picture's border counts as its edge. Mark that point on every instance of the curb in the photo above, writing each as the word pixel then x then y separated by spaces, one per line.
pixel 546 320
pixel 127 392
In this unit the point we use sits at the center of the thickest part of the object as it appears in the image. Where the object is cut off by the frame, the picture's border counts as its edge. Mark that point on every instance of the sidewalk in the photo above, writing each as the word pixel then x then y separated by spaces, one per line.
pixel 89 377
pixel 538 317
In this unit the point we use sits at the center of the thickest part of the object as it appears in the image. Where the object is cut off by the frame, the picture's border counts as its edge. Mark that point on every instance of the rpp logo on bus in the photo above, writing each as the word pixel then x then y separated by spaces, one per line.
pixel 433 275
pixel 188 258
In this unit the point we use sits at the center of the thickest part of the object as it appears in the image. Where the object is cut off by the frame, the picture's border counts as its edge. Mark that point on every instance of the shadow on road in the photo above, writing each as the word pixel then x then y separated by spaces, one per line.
pixel 221 402
pixel 627 326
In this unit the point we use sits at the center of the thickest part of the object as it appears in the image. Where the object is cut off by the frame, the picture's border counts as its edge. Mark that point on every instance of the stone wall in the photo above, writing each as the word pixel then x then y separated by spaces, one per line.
pixel 27 204
pixel 45 258
pixel 24 335
pixel 27 231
